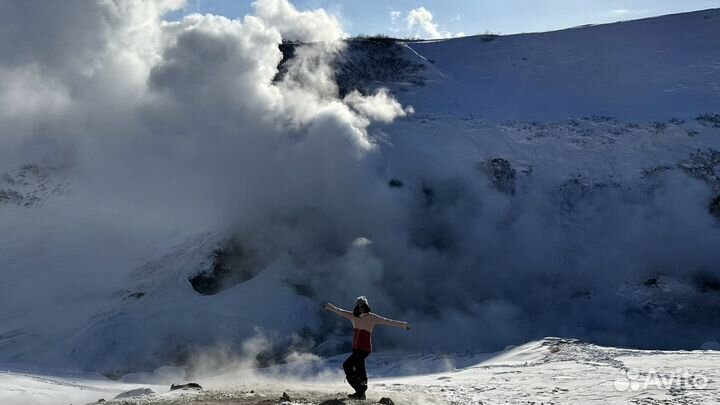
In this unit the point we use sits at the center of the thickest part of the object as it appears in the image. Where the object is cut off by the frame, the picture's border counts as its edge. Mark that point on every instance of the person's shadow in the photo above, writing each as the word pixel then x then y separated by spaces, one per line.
pixel 333 402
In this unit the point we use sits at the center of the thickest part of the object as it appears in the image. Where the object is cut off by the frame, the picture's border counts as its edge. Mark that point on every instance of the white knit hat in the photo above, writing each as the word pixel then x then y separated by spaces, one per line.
pixel 361 300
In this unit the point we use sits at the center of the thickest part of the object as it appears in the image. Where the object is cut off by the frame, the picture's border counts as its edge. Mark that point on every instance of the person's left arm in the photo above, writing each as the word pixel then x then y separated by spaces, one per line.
pixel 380 320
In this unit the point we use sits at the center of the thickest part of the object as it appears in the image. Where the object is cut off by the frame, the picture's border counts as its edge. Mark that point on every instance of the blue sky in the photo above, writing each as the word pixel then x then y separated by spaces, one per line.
pixel 467 16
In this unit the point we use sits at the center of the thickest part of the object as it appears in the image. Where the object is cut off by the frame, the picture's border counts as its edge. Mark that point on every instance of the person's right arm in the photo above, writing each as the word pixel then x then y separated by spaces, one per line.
pixel 332 308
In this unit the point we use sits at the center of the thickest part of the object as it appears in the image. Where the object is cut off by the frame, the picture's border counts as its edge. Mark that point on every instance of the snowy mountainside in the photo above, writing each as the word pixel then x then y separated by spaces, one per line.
pixel 30 184
pixel 650 69
pixel 576 169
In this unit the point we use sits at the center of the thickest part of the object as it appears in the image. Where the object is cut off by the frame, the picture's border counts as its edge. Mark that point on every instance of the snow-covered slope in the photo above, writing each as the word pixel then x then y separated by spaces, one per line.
pixel 650 69
pixel 557 371
pixel 563 183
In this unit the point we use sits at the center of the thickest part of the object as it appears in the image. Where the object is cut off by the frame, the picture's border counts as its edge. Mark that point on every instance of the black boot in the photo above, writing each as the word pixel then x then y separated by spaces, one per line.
pixel 360 389
pixel 357 395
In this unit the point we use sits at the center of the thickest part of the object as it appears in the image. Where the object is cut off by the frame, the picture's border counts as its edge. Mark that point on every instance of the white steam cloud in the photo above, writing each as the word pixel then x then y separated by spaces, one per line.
pixel 294 25
pixel 420 23
pixel 421 19
pixel 379 107
pixel 185 125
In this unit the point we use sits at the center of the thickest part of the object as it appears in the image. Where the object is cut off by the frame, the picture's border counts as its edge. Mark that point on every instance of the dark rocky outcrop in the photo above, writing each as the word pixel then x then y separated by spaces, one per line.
pixel 714 207
pixel 707 282
pixel 232 264
pixel 395 183
pixel 10 196
pixel 703 164
pixel 191 386
pixel 375 59
pixel 363 62
pixel 502 175
pixel 709 119
pixel 652 282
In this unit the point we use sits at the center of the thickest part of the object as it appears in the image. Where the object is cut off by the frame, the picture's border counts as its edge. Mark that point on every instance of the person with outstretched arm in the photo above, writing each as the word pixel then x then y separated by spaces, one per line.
pixel 363 321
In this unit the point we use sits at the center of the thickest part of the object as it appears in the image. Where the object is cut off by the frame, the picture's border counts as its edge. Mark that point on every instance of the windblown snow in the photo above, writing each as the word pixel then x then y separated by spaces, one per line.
pixel 190 193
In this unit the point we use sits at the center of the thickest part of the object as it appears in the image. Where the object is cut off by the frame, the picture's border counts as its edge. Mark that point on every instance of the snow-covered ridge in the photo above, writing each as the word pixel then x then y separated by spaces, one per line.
pixel 650 69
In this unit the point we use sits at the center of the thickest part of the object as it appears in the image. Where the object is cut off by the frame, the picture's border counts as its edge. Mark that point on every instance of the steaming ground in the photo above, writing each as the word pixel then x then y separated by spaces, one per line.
pixel 190 193
pixel 557 371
